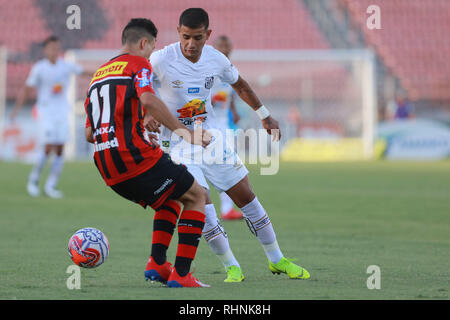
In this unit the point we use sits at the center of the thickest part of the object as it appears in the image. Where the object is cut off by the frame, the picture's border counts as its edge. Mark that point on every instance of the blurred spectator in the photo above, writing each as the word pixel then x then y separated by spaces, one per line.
pixel 400 108
pixel 294 118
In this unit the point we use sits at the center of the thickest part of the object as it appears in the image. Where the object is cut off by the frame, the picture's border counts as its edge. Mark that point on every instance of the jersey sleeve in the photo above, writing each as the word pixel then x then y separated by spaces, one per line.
pixel 234 94
pixel 86 103
pixel 141 81
pixel 155 61
pixel 88 122
pixel 75 68
pixel 33 77
pixel 229 73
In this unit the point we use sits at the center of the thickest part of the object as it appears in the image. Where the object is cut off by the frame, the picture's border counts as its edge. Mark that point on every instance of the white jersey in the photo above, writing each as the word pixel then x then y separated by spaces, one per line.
pixel 52 82
pixel 185 87
pixel 221 99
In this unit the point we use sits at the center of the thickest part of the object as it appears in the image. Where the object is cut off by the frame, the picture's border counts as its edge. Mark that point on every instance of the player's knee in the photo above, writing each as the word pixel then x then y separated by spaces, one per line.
pixel 59 150
pixel 243 198
pixel 200 194
pixel 207 197
pixel 196 194
pixel 248 197
pixel 48 149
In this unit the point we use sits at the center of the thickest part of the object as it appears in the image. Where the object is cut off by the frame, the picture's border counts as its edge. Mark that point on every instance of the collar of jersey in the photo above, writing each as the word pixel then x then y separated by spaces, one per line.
pixel 118 56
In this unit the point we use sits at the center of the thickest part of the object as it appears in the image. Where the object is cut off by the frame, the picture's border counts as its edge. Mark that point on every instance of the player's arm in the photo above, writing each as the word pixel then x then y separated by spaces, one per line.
pixel 247 94
pixel 88 128
pixel 31 82
pixel 88 73
pixel 80 70
pixel 21 98
pixel 159 111
pixel 233 109
pixel 151 124
pixel 88 134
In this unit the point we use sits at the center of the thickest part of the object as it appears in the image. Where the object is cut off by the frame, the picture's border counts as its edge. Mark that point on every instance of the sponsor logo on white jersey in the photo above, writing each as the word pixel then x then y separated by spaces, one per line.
pixel 177 84
pixel 209 81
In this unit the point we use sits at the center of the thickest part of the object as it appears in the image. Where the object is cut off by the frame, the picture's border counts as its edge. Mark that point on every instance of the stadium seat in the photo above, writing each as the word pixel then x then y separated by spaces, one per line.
pixel 295 27
pixel 413 42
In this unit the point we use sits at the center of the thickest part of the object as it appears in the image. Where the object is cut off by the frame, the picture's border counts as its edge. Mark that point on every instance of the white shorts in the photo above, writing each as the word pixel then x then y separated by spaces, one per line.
pixel 221 176
pixel 54 131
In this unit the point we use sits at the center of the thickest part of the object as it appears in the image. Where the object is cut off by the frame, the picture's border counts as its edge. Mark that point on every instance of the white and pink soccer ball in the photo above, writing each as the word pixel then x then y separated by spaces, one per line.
pixel 88 248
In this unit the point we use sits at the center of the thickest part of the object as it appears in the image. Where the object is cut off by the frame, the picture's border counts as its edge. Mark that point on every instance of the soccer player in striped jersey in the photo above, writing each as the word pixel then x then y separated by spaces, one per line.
pixel 119 100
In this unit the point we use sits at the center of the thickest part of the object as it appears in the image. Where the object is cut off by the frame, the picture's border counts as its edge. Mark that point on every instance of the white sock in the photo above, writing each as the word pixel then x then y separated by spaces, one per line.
pixel 226 204
pixel 273 252
pixel 228 259
pixel 217 239
pixel 35 173
pixel 260 224
pixel 55 171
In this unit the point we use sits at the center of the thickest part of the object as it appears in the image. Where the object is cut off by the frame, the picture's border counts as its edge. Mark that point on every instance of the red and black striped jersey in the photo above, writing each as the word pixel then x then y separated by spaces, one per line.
pixel 121 146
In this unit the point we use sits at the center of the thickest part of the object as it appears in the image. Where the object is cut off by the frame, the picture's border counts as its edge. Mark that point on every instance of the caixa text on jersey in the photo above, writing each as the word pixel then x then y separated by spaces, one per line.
pixel 103 130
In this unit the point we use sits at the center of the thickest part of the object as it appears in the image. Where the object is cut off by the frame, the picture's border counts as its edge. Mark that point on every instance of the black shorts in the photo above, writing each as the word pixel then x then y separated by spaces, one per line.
pixel 165 180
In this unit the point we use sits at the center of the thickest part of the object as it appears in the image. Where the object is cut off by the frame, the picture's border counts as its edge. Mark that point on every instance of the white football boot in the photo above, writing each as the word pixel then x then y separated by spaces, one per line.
pixel 53 193
pixel 33 189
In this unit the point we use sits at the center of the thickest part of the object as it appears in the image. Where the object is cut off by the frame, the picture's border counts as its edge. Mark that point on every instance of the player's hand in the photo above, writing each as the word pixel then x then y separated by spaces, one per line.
pixel 153 138
pixel 151 124
pixel 201 137
pixel 272 128
pixel 236 118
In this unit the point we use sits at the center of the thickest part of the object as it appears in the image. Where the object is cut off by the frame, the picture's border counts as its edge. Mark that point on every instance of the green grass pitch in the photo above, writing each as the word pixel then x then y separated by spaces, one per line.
pixel 336 218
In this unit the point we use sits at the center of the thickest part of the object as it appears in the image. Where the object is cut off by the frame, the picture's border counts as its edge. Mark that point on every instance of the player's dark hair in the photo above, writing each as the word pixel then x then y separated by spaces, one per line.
pixel 138 28
pixel 194 18
pixel 50 39
pixel 223 38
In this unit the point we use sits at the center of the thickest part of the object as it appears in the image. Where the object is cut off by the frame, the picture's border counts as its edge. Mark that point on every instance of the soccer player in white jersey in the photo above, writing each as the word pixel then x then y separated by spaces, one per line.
pixel 223 103
pixel 50 76
pixel 183 75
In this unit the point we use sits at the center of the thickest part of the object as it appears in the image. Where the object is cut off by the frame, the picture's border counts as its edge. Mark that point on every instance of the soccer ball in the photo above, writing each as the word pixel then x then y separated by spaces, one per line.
pixel 88 248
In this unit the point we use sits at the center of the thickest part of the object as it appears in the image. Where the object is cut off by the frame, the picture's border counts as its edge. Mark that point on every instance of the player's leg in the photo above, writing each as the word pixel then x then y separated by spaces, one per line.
pixel 190 223
pixel 217 239
pixel 164 223
pixel 45 133
pixel 155 187
pixel 226 204
pixel 234 179
pixel 59 135
pixel 214 233
pixel 261 226
pixel 55 172
pixel 232 176
pixel 36 172
pixel 256 218
pixel 227 211
pixel 190 226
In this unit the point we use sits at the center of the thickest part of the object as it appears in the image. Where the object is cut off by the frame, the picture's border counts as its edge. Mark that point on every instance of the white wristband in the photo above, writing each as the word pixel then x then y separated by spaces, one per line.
pixel 263 112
